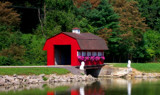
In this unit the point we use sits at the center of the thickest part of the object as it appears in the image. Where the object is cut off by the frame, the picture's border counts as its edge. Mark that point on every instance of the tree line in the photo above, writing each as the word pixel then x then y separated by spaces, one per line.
pixel 129 27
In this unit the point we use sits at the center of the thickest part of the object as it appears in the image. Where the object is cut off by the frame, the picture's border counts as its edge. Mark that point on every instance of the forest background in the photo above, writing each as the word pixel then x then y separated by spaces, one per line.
pixel 131 28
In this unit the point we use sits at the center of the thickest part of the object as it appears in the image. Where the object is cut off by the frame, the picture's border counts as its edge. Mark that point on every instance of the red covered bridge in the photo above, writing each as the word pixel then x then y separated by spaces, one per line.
pixel 70 48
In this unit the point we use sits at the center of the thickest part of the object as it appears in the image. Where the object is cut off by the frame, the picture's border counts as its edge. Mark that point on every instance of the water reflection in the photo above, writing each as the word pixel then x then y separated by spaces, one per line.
pixel 129 87
pixel 102 87
pixel 89 89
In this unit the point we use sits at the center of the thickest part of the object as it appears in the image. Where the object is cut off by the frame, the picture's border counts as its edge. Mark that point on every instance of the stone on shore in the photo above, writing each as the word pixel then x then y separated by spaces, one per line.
pixel 35 79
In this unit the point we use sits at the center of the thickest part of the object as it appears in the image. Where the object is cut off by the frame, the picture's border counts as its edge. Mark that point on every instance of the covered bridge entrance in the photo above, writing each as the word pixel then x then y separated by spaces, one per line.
pixel 62 54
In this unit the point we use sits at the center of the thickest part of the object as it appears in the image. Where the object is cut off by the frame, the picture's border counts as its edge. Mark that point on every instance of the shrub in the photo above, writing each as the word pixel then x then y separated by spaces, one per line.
pixel 5 61
pixel 44 78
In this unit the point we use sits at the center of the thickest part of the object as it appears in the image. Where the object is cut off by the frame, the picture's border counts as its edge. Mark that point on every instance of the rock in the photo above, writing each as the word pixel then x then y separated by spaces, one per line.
pixel 14 75
pixel 34 77
pixel 28 77
pixel 16 82
pixel 138 76
pixel 128 76
pixel 41 80
pixel 9 79
pixel 32 81
pixel 1 76
pixel 41 75
pixel 152 76
pixel 143 74
pixel 17 79
pixel 2 81
pixel 20 78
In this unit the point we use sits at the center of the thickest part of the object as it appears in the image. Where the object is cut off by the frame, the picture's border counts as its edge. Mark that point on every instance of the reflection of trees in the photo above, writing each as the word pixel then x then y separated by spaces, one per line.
pixel 94 89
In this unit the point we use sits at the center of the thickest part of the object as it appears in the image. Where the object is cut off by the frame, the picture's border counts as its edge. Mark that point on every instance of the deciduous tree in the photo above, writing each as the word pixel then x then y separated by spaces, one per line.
pixel 132 26
pixel 8 16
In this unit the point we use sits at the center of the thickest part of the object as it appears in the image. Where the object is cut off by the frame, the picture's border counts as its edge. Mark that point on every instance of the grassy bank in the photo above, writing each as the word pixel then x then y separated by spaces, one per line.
pixel 32 71
pixel 144 67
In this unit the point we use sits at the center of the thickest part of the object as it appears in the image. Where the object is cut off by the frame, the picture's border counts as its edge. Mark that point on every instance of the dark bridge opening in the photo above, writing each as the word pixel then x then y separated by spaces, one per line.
pixel 62 54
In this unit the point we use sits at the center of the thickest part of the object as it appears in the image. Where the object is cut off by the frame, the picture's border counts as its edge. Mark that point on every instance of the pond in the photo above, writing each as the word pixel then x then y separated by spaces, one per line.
pixel 116 86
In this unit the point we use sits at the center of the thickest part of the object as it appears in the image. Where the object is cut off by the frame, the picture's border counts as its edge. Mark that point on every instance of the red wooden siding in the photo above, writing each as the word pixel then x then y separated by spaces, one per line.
pixel 61 39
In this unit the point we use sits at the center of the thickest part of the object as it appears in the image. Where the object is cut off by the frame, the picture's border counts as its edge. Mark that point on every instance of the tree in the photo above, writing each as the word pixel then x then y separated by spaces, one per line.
pixel 152 44
pixel 102 21
pixel 8 17
pixel 79 3
pixel 132 26
pixel 150 9
pixel 57 16
pixel 14 51
pixel 100 17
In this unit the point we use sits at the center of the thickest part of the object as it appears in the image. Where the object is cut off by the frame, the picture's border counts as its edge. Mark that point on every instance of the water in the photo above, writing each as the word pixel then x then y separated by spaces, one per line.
pixel 102 87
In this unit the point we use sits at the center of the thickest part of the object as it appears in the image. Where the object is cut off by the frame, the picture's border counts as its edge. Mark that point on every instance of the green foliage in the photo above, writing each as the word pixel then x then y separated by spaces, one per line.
pixel 59 5
pixel 98 18
pixel 58 21
pixel 22 49
pixel 152 43
pixel 14 52
pixel 5 40
pixel 59 17
pixel 151 11
pixel 44 78
pixel 130 33
pixel 6 61
pixel 34 53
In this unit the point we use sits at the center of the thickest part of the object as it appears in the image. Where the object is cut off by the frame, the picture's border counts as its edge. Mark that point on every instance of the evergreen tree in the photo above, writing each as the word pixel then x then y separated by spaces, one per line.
pixel 150 9
pixel 100 17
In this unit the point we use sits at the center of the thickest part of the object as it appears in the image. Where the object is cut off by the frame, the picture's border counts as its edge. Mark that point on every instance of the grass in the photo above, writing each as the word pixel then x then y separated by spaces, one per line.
pixel 33 71
pixel 144 67
pixel 45 78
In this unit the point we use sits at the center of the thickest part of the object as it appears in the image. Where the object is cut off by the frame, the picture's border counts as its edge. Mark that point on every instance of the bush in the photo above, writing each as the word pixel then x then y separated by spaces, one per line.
pixel 5 61
pixel 45 78
pixel 5 39
pixel 34 49
pixel 22 49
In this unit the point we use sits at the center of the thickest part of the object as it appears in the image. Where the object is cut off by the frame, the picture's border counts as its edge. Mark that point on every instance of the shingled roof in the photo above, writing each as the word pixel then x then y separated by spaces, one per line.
pixel 88 41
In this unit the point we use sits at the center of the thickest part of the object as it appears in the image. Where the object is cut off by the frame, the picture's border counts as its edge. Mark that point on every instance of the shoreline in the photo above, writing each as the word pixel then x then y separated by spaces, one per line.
pixel 35 79
pixel 122 72
pixel 105 72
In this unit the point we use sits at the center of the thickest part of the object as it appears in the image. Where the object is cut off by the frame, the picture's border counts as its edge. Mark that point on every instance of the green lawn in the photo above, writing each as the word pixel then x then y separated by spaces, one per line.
pixel 31 71
pixel 144 67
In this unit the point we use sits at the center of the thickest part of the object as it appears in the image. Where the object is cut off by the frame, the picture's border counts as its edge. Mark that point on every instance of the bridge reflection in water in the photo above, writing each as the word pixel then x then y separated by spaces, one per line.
pixel 93 89
pixel 96 88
